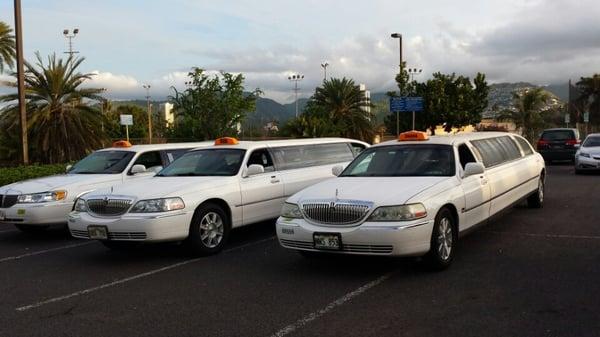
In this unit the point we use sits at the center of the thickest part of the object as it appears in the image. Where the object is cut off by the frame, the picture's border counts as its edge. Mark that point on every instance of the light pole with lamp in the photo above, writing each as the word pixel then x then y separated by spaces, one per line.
pixel 324 66
pixel 147 87
pixel 70 37
pixel 399 37
pixel 296 78
pixel 412 72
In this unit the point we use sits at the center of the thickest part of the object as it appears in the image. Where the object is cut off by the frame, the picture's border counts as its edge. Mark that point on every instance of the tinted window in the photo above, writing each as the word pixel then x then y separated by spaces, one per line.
pixel 103 162
pixel 403 161
pixel 357 148
pixel 592 141
pixel 210 162
pixel 509 148
pixel 489 151
pixel 174 154
pixel 261 157
pixel 149 159
pixel 558 135
pixel 465 155
pixel 292 157
pixel 524 145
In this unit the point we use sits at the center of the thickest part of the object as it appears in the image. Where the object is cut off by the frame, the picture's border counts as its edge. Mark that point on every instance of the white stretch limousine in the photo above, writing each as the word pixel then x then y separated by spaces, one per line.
pixel 413 196
pixel 35 204
pixel 204 194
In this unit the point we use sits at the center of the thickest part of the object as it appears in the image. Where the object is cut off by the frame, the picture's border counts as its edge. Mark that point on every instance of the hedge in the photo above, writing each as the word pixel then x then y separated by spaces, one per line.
pixel 10 175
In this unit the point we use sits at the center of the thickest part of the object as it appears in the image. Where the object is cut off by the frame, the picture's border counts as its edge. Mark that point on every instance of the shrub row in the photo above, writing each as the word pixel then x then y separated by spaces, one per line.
pixel 10 175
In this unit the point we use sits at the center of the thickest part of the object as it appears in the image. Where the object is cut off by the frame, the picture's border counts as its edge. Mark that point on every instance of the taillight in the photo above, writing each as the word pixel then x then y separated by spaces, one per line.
pixel 542 143
pixel 572 141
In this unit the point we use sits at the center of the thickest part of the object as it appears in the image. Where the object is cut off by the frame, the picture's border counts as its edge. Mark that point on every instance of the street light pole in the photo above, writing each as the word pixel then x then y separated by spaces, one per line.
pixel 70 37
pixel 324 66
pixel 399 37
pixel 412 72
pixel 147 87
pixel 296 78
pixel 21 80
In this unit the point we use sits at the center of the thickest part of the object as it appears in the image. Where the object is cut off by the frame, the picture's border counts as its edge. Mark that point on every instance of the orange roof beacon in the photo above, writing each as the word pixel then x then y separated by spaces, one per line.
pixel 121 143
pixel 226 141
pixel 412 136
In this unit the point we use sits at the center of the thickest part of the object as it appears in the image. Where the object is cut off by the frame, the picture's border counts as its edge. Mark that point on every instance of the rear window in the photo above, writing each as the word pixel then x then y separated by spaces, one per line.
pixel 558 135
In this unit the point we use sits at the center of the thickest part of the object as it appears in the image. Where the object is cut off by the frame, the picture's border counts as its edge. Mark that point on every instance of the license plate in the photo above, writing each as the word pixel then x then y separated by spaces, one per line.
pixel 2 215
pixel 98 232
pixel 330 241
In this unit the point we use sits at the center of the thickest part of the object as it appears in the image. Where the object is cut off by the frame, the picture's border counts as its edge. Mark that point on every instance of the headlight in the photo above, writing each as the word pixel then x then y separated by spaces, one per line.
pixel 42 197
pixel 291 211
pixel 583 154
pixel 399 213
pixel 158 205
pixel 80 206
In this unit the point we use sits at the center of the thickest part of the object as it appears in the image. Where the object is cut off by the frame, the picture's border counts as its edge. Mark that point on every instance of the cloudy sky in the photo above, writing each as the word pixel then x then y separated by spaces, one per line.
pixel 130 43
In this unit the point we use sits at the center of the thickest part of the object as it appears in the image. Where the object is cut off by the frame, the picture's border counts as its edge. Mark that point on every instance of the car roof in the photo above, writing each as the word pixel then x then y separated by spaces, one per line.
pixel 560 129
pixel 153 147
pixel 450 139
pixel 250 145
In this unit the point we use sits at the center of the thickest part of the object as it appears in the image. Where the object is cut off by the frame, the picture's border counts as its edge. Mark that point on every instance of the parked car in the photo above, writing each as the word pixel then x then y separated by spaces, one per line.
pixel 413 196
pixel 587 157
pixel 558 144
pixel 207 192
pixel 36 204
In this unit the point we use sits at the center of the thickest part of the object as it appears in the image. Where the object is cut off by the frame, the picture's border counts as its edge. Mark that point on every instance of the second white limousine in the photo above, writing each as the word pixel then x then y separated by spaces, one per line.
pixel 413 196
pixel 205 193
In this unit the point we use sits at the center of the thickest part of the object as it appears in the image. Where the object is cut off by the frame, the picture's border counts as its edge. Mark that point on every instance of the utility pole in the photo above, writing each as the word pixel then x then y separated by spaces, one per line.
pixel 399 37
pixel 324 66
pixel 296 78
pixel 412 72
pixel 21 80
pixel 147 87
pixel 70 37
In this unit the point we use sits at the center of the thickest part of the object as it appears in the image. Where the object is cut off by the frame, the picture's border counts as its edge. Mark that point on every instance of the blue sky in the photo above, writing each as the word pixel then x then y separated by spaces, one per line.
pixel 129 43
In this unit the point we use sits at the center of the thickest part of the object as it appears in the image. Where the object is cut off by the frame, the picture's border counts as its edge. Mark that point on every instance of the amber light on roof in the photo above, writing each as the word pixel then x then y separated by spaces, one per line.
pixel 226 141
pixel 121 143
pixel 412 135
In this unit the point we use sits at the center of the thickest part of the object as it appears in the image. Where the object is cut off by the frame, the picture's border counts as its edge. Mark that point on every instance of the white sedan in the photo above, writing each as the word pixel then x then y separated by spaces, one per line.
pixel 587 157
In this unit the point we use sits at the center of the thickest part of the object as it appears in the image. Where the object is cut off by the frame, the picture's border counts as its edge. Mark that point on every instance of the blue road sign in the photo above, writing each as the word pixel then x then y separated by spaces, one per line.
pixel 406 104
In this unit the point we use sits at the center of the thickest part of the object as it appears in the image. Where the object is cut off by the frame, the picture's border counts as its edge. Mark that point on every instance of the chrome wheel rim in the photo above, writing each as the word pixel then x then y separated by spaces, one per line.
pixel 211 229
pixel 541 190
pixel 444 239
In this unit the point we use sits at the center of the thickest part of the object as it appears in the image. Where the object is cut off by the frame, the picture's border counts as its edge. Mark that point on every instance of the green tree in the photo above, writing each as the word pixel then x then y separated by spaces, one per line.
pixel 589 88
pixel 211 107
pixel 63 125
pixel 7 47
pixel 113 126
pixel 528 111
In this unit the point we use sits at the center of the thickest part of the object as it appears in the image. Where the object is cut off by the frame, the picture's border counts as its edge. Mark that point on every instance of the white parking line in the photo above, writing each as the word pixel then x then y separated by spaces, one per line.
pixel 39 252
pixel 340 301
pixel 551 236
pixel 132 278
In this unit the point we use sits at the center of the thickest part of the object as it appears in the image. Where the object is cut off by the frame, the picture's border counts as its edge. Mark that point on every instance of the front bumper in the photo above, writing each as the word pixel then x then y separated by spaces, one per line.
pixel 41 214
pixel 584 163
pixel 154 227
pixel 370 238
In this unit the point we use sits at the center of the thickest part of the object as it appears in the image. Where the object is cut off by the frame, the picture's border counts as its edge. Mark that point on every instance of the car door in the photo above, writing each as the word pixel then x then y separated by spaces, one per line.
pixel 262 194
pixel 476 189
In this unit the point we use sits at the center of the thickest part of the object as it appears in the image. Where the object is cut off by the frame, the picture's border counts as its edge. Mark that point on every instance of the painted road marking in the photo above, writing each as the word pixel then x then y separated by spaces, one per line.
pixel 39 252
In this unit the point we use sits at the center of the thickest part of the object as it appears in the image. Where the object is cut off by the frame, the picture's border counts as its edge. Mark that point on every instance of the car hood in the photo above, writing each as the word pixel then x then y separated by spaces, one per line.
pixel 379 190
pixel 63 181
pixel 595 150
pixel 160 187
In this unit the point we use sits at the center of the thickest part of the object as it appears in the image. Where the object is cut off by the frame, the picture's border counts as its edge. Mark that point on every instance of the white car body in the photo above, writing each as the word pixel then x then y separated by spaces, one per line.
pixel 42 214
pixel 587 157
pixel 245 198
pixel 472 200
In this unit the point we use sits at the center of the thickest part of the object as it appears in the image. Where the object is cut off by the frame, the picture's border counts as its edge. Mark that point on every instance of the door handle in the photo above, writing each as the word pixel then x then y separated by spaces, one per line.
pixel 483 181
pixel 274 179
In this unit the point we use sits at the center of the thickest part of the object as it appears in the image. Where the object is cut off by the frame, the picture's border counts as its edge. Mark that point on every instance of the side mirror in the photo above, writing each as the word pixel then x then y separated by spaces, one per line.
pixel 337 170
pixel 136 169
pixel 254 169
pixel 68 168
pixel 472 169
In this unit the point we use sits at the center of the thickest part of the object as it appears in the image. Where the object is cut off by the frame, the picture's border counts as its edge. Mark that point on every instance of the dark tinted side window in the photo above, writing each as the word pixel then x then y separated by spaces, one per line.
pixel 524 145
pixel 173 154
pixel 261 157
pixel 292 157
pixel 558 135
pixel 509 148
pixel 149 159
pixel 490 154
pixel 465 155
pixel 357 148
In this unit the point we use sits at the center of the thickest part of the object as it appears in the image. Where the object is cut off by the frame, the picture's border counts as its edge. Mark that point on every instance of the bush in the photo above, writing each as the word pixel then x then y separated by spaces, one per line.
pixel 10 175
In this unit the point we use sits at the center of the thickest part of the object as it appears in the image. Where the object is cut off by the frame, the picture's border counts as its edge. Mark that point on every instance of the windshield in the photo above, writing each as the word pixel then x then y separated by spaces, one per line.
pixel 103 162
pixel 403 161
pixel 209 162
pixel 592 142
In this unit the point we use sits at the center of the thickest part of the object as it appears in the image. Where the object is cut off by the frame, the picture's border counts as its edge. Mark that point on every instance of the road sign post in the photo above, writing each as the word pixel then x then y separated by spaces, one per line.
pixel 586 120
pixel 126 120
pixel 406 104
pixel 567 119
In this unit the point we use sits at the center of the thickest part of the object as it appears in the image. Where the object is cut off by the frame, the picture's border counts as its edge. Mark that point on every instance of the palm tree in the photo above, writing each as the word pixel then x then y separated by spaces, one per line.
pixel 589 87
pixel 346 106
pixel 63 125
pixel 527 111
pixel 7 47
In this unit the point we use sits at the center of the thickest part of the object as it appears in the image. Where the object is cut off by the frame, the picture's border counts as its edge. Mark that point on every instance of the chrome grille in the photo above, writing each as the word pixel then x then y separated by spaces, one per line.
pixel 110 207
pixel 351 248
pixel 112 235
pixel 336 212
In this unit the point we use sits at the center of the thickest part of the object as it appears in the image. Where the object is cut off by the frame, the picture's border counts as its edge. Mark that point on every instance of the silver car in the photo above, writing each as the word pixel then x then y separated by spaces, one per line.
pixel 587 157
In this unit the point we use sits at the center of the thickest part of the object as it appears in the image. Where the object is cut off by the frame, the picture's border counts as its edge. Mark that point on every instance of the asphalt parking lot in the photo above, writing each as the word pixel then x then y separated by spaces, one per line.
pixel 528 273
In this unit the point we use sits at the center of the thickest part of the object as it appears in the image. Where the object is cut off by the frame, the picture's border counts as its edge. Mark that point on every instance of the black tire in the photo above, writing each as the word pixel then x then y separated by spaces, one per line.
pixel 536 200
pixel 120 246
pixel 31 229
pixel 204 238
pixel 443 245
